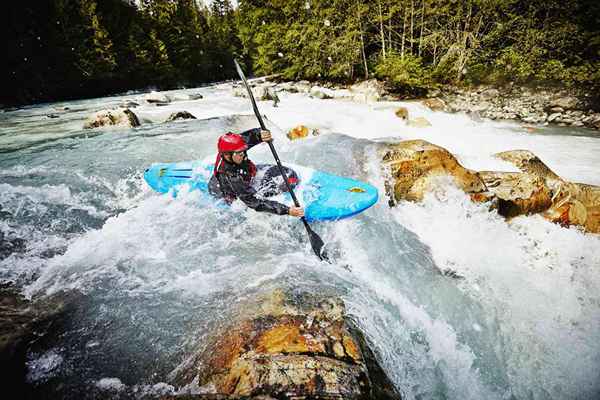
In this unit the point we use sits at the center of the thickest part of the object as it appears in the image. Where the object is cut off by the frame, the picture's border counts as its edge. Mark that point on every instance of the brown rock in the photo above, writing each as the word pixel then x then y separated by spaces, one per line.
pixel 402 113
pixel 528 162
pixel 517 193
pixel 298 132
pixel 434 104
pixel 413 166
pixel 304 350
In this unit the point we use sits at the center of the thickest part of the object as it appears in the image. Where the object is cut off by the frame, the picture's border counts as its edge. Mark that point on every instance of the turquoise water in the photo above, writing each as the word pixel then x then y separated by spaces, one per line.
pixel 153 275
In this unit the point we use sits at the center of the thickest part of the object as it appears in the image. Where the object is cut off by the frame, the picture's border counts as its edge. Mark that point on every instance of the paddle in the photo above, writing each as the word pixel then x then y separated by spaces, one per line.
pixel 315 241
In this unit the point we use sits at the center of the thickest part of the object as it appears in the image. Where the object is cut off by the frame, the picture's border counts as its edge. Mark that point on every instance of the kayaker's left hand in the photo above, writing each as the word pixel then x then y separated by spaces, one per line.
pixel 265 136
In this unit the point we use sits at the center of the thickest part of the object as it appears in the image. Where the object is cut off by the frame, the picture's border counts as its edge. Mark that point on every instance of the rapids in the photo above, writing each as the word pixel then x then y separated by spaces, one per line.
pixel 456 302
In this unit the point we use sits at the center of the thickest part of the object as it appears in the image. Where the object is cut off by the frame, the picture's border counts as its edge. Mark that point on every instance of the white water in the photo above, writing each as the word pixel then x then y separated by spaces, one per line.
pixel 521 321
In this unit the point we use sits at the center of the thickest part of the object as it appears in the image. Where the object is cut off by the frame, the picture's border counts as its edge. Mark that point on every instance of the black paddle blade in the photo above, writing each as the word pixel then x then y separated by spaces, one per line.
pixel 317 244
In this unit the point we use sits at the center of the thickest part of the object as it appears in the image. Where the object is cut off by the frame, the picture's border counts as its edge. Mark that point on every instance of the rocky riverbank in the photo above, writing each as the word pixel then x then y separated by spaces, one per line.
pixel 534 106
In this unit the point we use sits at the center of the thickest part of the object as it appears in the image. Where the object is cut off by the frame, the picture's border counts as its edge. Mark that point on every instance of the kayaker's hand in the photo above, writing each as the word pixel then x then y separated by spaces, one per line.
pixel 265 136
pixel 296 211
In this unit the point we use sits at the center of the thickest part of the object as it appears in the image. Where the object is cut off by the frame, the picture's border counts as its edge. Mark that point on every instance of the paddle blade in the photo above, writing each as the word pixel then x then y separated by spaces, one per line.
pixel 317 244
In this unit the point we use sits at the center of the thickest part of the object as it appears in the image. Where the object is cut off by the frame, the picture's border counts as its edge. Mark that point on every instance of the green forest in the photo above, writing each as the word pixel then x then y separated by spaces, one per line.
pixel 66 49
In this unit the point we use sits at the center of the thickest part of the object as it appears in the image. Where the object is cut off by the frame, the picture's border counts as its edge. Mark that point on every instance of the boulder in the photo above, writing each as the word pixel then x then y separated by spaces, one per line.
pixel 489 94
pixel 157 98
pixel 413 167
pixel 571 203
pixel 321 92
pixel 22 324
pixel 298 132
pixel 419 122
pixel 259 92
pixel 117 117
pixel 402 113
pixel 517 193
pixel 528 162
pixel 565 102
pixel 368 91
pixel 296 345
pixel 434 104
pixel 575 204
pixel 180 115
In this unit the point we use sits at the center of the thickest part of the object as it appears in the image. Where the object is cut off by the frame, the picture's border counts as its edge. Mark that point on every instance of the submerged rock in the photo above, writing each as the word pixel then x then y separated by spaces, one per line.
pixel 23 322
pixel 180 115
pixel 288 346
pixel 118 117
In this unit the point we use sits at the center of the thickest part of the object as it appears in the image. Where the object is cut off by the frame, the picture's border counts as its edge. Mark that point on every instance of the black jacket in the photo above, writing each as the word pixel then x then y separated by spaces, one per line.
pixel 231 181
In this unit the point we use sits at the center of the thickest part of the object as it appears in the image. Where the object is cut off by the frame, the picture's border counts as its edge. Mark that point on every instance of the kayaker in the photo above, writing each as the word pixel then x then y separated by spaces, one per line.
pixel 234 172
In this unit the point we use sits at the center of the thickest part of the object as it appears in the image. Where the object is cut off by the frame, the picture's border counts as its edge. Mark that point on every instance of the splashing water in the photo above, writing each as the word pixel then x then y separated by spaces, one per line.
pixel 456 302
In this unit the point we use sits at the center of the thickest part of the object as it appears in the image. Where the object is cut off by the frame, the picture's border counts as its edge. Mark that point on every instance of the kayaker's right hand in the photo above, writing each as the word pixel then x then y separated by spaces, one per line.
pixel 296 211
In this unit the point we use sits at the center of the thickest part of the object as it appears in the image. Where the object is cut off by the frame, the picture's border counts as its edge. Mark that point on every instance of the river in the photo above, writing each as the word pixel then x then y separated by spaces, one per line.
pixel 515 316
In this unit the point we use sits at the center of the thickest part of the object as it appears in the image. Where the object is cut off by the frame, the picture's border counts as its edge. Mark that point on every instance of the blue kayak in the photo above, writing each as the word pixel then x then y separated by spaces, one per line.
pixel 323 196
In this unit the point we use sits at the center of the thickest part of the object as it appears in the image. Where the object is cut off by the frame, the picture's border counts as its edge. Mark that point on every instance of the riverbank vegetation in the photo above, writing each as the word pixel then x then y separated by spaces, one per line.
pixel 79 48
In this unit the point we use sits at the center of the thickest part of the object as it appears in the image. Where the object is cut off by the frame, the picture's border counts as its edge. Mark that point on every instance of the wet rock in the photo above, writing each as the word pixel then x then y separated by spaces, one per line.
pixel 298 132
pixel 517 193
pixel 528 162
pixel 402 113
pixel 52 116
pixel 434 104
pixel 23 322
pixel 419 122
pixel 180 115
pixel 575 204
pixel 571 203
pixel 130 104
pixel 414 166
pixel 157 98
pixel 117 117
pixel 288 345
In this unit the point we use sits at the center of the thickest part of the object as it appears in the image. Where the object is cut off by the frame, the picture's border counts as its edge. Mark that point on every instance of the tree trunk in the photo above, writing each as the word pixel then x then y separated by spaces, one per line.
pixel 403 31
pixel 381 29
pixel 412 24
pixel 362 41
pixel 421 34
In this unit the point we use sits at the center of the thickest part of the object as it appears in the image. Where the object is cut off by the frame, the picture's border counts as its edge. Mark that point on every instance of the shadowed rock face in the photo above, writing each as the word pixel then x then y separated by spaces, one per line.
pixel 299 347
pixel 517 193
pixel 22 323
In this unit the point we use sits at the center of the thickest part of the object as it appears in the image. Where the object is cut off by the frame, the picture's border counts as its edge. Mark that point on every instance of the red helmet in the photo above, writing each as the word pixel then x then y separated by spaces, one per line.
pixel 231 142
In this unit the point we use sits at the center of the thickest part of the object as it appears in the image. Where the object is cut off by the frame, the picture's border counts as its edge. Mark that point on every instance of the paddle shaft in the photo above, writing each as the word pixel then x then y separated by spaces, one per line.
pixel 270 143
pixel 315 240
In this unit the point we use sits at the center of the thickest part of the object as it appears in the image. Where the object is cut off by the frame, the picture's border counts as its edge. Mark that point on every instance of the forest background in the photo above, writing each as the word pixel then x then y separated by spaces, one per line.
pixel 65 49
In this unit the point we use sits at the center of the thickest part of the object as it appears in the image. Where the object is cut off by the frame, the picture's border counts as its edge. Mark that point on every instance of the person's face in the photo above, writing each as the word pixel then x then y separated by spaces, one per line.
pixel 238 156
